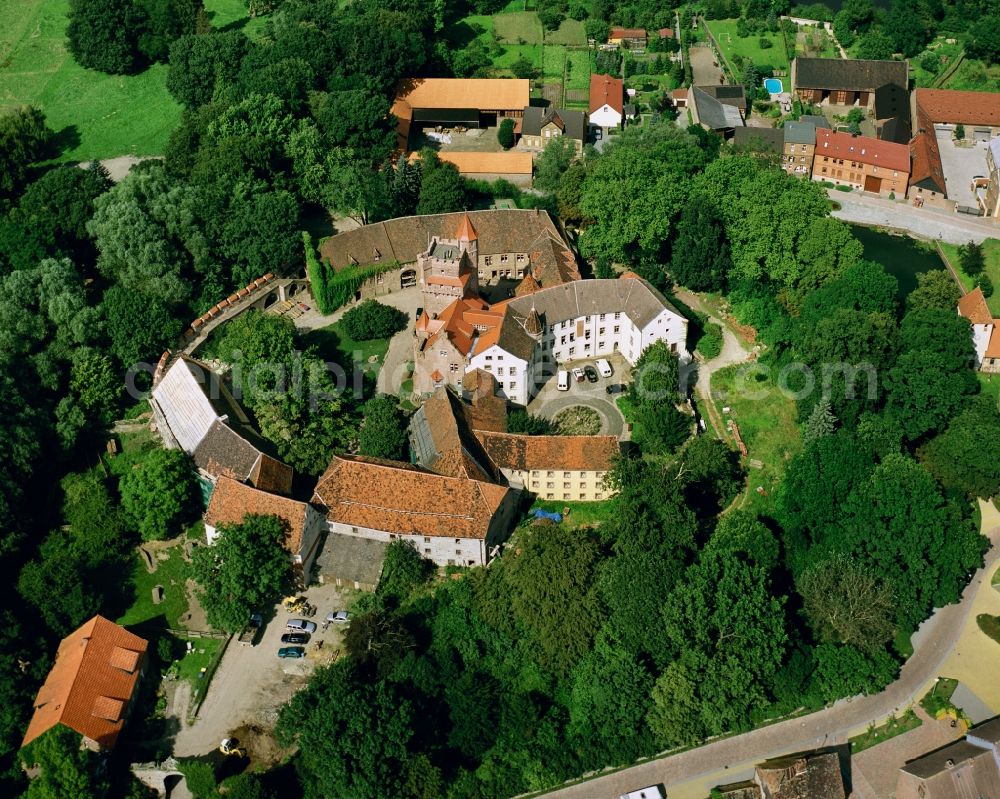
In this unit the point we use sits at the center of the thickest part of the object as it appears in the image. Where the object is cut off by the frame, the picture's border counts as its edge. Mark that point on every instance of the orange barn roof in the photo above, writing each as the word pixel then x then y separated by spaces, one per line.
pixel 974 308
pixel 967 108
pixel 497 94
pixel 91 683
pixel 510 163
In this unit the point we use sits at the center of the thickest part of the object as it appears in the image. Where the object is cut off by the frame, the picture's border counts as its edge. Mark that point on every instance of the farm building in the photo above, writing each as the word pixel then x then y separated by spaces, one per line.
pixel 847 82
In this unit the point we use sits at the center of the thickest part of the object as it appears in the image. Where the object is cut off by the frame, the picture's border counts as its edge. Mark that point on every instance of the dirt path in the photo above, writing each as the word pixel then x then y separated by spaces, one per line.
pixel 119 167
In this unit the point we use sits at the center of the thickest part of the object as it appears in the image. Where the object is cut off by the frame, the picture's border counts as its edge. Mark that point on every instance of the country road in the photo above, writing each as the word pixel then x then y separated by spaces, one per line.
pixel 933 643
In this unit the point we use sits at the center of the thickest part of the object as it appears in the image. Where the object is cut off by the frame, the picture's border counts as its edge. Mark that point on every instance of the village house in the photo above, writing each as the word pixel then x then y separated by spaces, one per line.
pixel 231 501
pixel 799 147
pixel 861 162
pixel 456 102
pixel 607 101
pixel 967 768
pixel 193 409
pixel 629 38
pixel 453 521
pixel 718 108
pixel 92 684
pixel 985 330
pixel 846 82
pixel 804 776
pixel 510 245
pixel 541 125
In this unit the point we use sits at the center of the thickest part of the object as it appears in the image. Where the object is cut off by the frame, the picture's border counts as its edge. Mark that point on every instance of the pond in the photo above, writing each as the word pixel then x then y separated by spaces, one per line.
pixel 902 257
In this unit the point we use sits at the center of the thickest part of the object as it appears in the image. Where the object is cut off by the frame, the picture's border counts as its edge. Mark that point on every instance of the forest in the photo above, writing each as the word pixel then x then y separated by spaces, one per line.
pixel 581 649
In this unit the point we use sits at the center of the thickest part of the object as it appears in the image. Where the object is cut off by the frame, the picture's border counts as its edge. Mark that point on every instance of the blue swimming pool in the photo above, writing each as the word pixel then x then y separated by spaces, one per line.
pixel 773 85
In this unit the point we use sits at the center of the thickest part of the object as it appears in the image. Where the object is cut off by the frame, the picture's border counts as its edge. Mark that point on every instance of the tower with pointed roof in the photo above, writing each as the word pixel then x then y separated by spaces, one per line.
pixel 449 269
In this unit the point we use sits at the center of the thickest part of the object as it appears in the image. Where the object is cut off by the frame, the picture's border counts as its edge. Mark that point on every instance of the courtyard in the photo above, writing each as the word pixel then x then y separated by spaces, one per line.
pixel 550 401
pixel 961 163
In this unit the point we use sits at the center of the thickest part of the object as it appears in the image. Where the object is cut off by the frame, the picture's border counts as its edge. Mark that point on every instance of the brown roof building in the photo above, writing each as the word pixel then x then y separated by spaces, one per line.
pixel 451 520
pixel 865 163
pixel 630 37
pixel 807 776
pixel 845 82
pixel 91 686
pixel 958 771
pixel 985 330
pixel 231 501
pixel 607 101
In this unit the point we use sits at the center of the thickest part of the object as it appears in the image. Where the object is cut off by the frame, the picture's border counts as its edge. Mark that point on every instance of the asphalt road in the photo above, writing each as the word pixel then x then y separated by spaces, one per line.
pixel 933 643
pixel 925 223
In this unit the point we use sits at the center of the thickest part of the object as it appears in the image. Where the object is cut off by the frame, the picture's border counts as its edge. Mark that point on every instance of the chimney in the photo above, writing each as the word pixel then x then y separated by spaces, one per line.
pixel 949 763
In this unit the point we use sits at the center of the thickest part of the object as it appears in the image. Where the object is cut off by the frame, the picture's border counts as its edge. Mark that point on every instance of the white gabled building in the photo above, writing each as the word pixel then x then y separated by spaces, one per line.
pixel 985 330
pixel 580 320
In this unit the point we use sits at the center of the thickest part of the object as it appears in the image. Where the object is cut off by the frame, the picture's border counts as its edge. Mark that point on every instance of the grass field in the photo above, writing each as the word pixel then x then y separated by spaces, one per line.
pixel 991 254
pixel 171 574
pixel 581 514
pixel 95 115
pixel 975 76
pixel 946 54
pixel 335 345
pixel 724 31
pixel 814 43
pixel 518 28
pixel 570 32
pixel 578 76
pixel 232 14
pixel 766 420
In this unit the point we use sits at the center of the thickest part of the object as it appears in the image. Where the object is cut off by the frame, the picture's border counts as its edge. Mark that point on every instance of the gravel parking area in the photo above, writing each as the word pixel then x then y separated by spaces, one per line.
pixel 549 401
pixel 252 682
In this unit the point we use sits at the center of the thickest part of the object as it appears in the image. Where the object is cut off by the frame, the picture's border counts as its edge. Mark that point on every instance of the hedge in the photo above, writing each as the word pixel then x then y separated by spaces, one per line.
pixel 334 288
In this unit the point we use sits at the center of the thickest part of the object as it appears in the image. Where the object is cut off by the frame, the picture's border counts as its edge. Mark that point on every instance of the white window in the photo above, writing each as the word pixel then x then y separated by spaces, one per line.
pixel 503 259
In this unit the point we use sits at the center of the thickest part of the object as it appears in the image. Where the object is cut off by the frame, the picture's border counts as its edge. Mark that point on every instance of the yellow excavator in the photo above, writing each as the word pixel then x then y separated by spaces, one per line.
pixel 230 746
pixel 298 604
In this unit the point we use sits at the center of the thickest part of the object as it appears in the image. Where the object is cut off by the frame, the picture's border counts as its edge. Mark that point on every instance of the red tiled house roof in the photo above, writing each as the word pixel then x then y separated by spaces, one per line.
pixel 605 89
pixel 232 500
pixel 572 453
pixel 91 684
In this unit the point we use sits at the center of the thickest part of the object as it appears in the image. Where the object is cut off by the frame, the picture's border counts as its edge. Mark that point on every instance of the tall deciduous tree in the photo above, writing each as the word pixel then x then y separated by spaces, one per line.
pixel 246 569
pixel 935 289
pixel 553 162
pixel 199 65
pixel 24 140
pixel 442 189
pixel 102 34
pixel 700 255
pixel 383 431
pixel 159 493
pixel 67 771
pixel 961 456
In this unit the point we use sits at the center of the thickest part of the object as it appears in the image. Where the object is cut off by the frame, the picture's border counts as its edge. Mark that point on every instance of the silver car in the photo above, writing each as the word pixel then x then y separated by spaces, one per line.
pixel 302 624
pixel 340 617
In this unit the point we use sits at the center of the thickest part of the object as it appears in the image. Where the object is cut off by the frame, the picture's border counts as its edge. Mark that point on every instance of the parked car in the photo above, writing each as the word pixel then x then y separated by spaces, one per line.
pixel 579 375
pixel 616 388
pixel 591 373
pixel 295 638
pixel 604 368
pixel 562 383
pixel 292 652
pixel 340 617
pixel 302 625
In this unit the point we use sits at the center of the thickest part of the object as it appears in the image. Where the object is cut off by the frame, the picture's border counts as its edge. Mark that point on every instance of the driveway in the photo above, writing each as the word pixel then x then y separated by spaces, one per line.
pixel 252 683
pixel 924 223
pixel 550 400
pixel 960 165
pixel 933 643
pixel 703 69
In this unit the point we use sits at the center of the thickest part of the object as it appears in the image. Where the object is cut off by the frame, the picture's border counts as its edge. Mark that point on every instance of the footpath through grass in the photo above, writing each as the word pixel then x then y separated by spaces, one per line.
pixel 95 115
pixel 991 255
pixel 766 419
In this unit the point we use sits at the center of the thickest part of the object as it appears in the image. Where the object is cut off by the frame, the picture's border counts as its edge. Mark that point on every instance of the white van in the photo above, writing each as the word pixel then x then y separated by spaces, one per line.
pixel 563 380
pixel 604 368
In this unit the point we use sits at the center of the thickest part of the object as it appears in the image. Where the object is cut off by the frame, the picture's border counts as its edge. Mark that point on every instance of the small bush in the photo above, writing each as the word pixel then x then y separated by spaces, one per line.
pixel 505 134
pixel 710 344
pixel 984 282
pixel 371 320
pixel 844 188
pixel 765 43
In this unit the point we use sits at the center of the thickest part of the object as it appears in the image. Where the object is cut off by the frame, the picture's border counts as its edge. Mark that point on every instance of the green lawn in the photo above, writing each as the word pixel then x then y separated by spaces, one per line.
pixel 335 345
pixel 171 574
pixel 893 727
pixel 974 75
pixel 581 514
pixel 991 254
pixel 767 424
pixel 814 43
pixel 96 115
pixel 570 32
pixel 232 14
pixel 989 385
pixel 518 28
pixel 724 31
pixel 946 54
pixel 989 625
pixel 939 697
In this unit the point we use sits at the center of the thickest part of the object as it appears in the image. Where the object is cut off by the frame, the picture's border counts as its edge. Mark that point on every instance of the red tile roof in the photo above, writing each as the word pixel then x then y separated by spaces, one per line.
pixel 974 308
pixel 863 149
pixel 605 89
pixel 232 500
pixel 466 232
pixel 993 348
pixel 570 453
pixel 967 108
pixel 627 33
pixel 666 33
pixel 405 500
pixel 925 159
pixel 90 684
